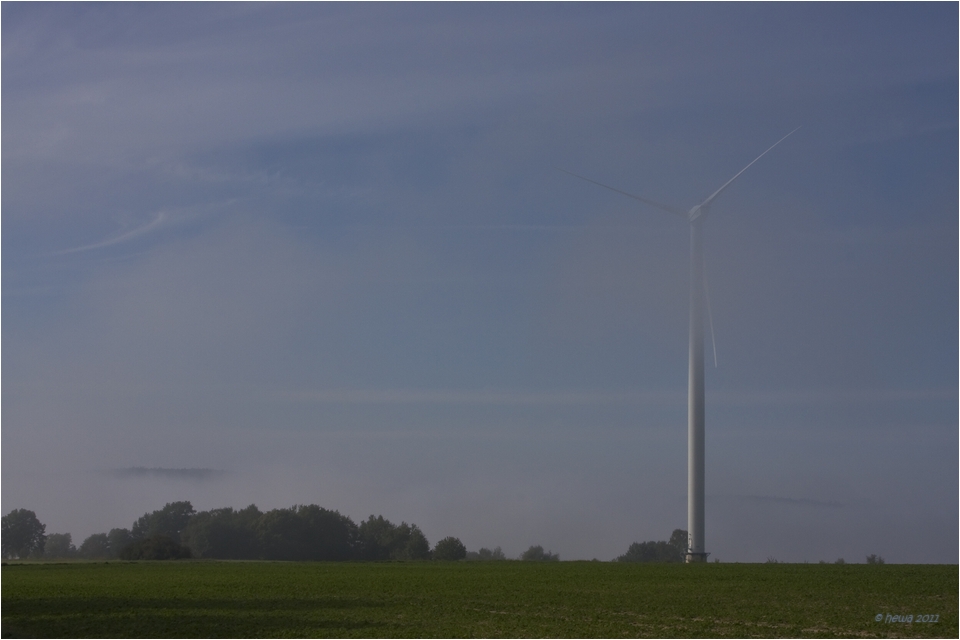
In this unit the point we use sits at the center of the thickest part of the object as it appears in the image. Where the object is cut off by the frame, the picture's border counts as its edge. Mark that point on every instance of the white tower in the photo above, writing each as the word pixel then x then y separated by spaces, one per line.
pixel 695 401
pixel 695 388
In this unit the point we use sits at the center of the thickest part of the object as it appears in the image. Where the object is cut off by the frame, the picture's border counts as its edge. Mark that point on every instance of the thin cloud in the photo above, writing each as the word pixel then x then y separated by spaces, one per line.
pixel 130 235
pixel 168 217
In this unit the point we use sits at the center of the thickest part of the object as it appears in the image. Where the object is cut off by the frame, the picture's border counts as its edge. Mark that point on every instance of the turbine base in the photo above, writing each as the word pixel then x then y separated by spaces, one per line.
pixel 691 557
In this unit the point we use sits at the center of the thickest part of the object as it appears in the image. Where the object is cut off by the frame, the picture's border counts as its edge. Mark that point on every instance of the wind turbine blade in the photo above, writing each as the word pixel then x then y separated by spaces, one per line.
pixel 707 202
pixel 713 338
pixel 663 207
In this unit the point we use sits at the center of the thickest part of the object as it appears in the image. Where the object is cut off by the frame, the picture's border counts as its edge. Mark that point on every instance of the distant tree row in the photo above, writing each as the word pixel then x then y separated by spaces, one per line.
pixel 178 531
pixel 296 533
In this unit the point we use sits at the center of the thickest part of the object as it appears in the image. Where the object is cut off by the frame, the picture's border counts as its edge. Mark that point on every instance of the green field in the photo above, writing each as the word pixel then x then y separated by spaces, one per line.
pixel 467 599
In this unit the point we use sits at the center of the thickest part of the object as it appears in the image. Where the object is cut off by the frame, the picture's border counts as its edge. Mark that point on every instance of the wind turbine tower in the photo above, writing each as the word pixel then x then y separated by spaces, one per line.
pixel 695 388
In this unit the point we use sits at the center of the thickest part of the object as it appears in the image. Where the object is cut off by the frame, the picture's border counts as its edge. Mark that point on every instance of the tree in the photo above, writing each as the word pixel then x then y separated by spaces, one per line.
pixel 537 553
pixel 376 538
pixel 496 554
pixel 224 534
pixel 117 540
pixel 416 546
pixel 380 539
pixel 105 545
pixel 307 533
pixel 680 540
pixel 169 521
pixel 333 536
pixel 95 546
pixel 282 535
pixel 59 545
pixel 449 548
pixel 875 559
pixel 22 534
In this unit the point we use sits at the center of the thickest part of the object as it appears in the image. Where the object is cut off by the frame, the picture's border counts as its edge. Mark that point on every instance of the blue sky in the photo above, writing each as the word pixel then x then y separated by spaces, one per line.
pixel 324 249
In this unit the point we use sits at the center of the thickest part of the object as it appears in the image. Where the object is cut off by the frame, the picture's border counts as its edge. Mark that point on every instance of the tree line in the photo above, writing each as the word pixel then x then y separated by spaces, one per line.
pixel 301 532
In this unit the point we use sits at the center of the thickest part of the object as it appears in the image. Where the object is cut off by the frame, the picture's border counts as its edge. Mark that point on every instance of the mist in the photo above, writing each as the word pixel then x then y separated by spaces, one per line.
pixel 294 254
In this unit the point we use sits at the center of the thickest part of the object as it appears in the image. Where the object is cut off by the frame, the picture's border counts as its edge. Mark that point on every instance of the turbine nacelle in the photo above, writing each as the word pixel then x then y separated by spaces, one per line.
pixel 698 211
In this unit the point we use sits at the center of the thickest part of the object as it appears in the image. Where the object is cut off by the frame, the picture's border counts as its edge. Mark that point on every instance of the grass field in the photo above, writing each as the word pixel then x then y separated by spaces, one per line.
pixel 487 599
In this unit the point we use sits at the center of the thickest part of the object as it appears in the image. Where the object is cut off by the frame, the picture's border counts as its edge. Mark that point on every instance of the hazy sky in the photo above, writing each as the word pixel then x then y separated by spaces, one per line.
pixel 324 250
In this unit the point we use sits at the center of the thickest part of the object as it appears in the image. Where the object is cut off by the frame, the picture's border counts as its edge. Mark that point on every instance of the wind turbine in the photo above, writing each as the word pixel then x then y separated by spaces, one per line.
pixel 695 396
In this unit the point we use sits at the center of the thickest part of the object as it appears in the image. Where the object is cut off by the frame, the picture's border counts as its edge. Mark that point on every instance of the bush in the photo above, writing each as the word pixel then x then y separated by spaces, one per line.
pixel 449 548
